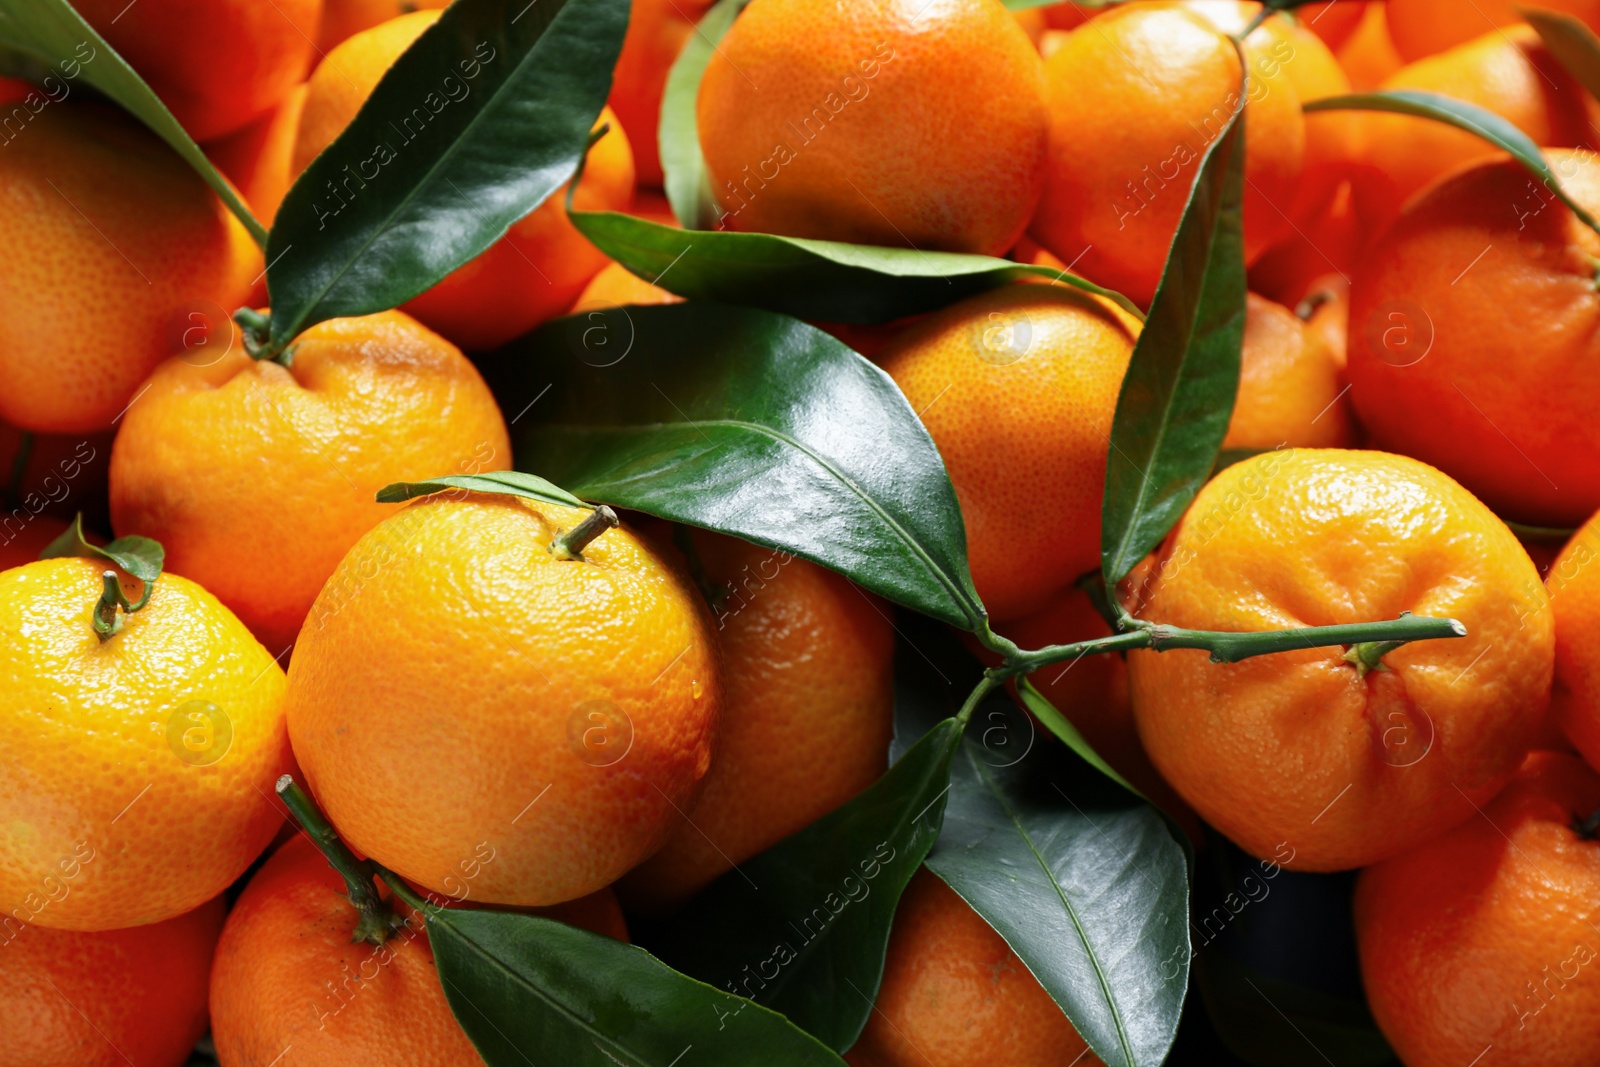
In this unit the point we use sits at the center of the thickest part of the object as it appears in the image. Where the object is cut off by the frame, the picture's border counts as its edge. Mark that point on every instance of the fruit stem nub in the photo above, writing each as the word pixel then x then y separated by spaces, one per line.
pixel 570 545
pixel 106 620
pixel 377 919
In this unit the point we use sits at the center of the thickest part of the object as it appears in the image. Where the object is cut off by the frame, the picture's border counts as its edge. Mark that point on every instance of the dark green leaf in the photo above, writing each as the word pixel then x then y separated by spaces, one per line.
pixel 531 990
pixel 683 166
pixel 141 557
pixel 1178 394
pixel 505 483
pixel 1574 44
pixel 749 423
pixel 809 279
pixel 484 117
pixel 70 48
pixel 1475 120
pixel 1059 725
pixel 1081 877
pixel 803 927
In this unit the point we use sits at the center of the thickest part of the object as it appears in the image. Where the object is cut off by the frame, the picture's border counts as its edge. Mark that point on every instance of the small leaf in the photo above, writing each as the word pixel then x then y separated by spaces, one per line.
pixel 748 423
pixel 1082 878
pixel 140 557
pixel 1178 395
pixel 1469 117
pixel 485 116
pixel 56 34
pixel 503 483
pixel 683 165
pixel 1059 725
pixel 804 927
pixel 809 279
pixel 532 990
pixel 1574 44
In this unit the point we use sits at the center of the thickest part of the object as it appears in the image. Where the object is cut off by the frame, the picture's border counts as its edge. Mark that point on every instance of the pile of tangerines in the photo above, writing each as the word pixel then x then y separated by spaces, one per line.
pixel 512 703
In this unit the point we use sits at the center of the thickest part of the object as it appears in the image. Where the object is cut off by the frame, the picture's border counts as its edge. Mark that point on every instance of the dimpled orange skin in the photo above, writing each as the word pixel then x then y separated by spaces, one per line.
pixel 1574 583
pixel 342 19
pixel 531 274
pixel 1424 27
pixel 807 667
pixel 84 187
pixel 1521 435
pixel 1135 97
pixel 933 110
pixel 1290 388
pixel 214 459
pixel 107 999
pixel 216 64
pixel 954 994
pixel 1508 72
pixel 457 683
pixel 1485 937
pixel 1263 748
pixel 657 32
pixel 257 158
pixel 1018 387
pixel 92 734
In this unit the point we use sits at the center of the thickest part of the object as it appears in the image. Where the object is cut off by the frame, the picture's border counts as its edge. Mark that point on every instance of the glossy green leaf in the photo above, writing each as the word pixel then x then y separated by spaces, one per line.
pixel 803 927
pixel 1082 878
pixel 1573 43
pixel 142 557
pixel 485 116
pixel 69 48
pixel 1177 397
pixel 683 166
pixel 826 280
pixel 505 483
pixel 532 990
pixel 1469 117
pixel 750 423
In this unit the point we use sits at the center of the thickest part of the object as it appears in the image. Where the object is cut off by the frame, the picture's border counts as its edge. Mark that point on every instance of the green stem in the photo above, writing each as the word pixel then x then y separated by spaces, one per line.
pixel 987 684
pixel 257 331
pixel 19 467
pixel 1263 15
pixel 571 544
pixel 107 622
pixel 376 919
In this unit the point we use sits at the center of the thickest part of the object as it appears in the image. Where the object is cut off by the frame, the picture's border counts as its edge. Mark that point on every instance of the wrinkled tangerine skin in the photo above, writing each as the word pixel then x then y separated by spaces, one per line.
pixel 457 683
pixel 1135 97
pixel 1291 391
pixel 954 994
pixel 1424 27
pixel 220 458
pixel 111 242
pixel 1017 387
pixel 1296 749
pixel 808 675
pixel 531 274
pixel 932 109
pixel 113 811
pixel 1431 332
pixel 1485 936
pixel 107 999
pixel 657 32
pixel 216 64
pixel 1574 583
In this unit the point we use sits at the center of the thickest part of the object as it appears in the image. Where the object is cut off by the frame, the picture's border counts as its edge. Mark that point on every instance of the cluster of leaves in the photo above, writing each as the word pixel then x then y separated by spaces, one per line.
pixel 734 415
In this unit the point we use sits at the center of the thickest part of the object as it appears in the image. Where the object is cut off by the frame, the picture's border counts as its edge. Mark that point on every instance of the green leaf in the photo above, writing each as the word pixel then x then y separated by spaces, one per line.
pixel 503 483
pixel 1178 395
pixel 1059 725
pixel 58 36
pixel 1082 878
pixel 1469 117
pixel 804 927
pixel 142 557
pixel 1573 43
pixel 531 990
pixel 749 423
pixel 809 279
pixel 683 166
pixel 485 116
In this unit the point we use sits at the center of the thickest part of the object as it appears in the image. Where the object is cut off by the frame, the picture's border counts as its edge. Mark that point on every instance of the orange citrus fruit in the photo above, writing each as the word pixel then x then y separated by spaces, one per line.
pixel 257 158
pixel 342 19
pixel 617 286
pixel 220 458
pixel 807 669
pixel 107 999
pixel 1424 27
pixel 1017 387
pixel 657 32
pixel 1368 55
pixel 1485 263
pixel 1135 98
pixel 1333 20
pixel 531 274
pixel 892 122
pixel 1301 749
pixel 583 698
pixel 954 994
pixel 216 64
pixel 112 242
pixel 137 767
pixel 1327 243
pixel 1574 583
pixel 1476 944
pixel 1291 391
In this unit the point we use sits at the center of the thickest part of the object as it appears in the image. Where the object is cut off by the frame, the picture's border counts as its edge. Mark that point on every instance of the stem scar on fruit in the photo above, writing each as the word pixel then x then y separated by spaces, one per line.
pixel 570 545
